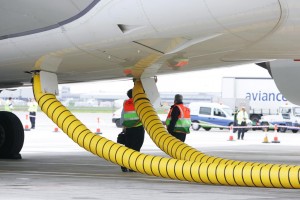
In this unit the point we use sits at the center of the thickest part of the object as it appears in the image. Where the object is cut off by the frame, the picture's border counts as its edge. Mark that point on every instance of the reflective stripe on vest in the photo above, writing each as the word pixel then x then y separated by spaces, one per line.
pixel 184 119
pixel 33 107
pixel 131 119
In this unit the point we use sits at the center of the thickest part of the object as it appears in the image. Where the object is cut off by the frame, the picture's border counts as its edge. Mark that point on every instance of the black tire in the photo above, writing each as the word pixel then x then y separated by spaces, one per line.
pixel 282 129
pixel 118 123
pixel 295 131
pixel 207 128
pixel 255 119
pixel 195 125
pixel 11 136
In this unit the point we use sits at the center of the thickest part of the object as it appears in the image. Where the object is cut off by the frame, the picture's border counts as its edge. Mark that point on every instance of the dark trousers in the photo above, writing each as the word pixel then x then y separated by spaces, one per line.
pixel 179 136
pixel 32 116
pixel 134 138
pixel 241 131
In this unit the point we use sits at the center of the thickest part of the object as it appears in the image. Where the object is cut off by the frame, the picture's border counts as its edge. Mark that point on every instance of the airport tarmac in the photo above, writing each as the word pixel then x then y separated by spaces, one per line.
pixel 54 167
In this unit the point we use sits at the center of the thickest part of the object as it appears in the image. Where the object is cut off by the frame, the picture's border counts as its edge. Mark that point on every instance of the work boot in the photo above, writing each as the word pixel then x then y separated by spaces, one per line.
pixel 124 169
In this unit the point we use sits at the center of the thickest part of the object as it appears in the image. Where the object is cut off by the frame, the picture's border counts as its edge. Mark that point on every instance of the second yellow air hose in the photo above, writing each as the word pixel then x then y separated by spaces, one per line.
pixel 166 142
pixel 266 175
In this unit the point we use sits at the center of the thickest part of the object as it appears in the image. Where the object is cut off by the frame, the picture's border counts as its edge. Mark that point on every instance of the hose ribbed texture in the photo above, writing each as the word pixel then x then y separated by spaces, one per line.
pixel 179 150
pixel 166 142
pixel 264 175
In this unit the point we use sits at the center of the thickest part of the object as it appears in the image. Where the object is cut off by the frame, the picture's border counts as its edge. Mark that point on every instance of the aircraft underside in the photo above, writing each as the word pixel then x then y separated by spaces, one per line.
pixel 186 164
pixel 101 40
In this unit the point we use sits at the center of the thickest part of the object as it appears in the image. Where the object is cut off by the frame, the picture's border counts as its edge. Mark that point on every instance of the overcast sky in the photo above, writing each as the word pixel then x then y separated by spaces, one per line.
pixel 200 81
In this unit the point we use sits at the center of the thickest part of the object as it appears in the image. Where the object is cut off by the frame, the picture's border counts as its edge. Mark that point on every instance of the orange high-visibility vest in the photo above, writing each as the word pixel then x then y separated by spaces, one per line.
pixel 184 119
pixel 131 119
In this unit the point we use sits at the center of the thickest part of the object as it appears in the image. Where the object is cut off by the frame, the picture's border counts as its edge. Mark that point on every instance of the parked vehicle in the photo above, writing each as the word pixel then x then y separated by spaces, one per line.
pixel 116 118
pixel 210 115
pixel 288 115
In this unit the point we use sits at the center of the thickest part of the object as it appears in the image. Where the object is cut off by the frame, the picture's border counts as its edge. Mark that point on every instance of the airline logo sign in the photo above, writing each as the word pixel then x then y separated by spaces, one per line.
pixel 264 96
pixel 261 93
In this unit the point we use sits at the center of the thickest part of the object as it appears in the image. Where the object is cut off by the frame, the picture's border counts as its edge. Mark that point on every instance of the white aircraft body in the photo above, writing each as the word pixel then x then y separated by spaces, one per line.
pixel 88 40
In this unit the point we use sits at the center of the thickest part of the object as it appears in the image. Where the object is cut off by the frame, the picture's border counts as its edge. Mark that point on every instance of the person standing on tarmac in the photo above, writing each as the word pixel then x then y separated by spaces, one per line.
pixel 133 128
pixel 235 121
pixel 32 109
pixel 242 118
pixel 178 120
pixel 8 106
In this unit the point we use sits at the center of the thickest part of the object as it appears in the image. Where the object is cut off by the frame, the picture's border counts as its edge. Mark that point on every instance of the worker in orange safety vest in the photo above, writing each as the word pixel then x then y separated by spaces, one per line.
pixel 178 120
pixel 132 126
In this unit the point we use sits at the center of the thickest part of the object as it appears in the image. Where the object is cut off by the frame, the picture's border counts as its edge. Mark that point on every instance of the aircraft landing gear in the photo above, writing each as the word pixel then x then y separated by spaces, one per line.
pixel 11 136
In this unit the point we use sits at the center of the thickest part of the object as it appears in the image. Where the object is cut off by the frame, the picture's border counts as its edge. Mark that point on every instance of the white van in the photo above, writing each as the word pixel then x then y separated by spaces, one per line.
pixel 210 115
pixel 116 118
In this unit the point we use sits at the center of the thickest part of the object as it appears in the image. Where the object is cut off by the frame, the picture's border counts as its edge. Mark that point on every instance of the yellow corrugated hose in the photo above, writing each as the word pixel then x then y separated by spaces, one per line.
pixel 266 175
pixel 169 144
pixel 166 142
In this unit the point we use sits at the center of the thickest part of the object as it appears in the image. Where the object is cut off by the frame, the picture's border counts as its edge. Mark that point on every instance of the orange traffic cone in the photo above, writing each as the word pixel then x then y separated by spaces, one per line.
pixel 231 133
pixel 26 127
pixel 275 136
pixel 98 128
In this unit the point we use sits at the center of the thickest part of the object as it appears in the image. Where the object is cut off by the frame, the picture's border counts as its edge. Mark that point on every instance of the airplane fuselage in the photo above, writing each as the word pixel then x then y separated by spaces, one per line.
pixel 110 37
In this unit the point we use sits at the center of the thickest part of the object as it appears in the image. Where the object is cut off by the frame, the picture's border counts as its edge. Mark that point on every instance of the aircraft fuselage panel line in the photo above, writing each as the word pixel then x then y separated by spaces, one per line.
pixel 53 26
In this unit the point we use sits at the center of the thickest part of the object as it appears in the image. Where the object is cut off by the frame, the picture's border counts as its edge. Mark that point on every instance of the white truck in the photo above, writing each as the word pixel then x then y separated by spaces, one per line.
pixel 288 118
pixel 260 95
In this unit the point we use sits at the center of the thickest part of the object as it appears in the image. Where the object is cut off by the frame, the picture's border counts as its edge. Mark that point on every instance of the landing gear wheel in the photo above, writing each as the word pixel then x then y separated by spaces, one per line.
pixel 11 136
